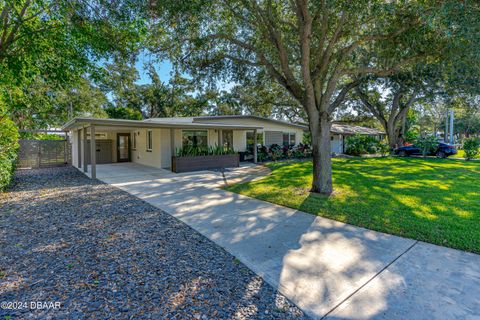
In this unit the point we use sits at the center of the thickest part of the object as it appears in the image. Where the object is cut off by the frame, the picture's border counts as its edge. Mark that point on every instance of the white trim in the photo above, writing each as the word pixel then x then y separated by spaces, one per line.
pixel 134 140
pixel 149 143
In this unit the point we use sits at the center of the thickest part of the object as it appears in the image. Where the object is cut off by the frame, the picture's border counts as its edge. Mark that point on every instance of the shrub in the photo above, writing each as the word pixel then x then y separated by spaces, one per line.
pixel 8 150
pixel 383 148
pixel 361 144
pixel 411 136
pixel 262 154
pixel 471 147
pixel 427 144
pixel 191 151
pixel 275 152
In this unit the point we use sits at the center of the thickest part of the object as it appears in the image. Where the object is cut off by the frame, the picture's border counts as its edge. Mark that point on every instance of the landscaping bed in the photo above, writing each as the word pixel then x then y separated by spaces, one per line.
pixel 196 163
pixel 104 254
pixel 433 200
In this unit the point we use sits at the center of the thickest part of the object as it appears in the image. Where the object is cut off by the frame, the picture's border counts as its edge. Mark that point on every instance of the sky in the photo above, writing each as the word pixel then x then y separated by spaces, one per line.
pixel 164 68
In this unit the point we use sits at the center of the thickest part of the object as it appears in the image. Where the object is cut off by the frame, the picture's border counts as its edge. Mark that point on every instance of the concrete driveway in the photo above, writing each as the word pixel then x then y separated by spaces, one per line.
pixel 329 269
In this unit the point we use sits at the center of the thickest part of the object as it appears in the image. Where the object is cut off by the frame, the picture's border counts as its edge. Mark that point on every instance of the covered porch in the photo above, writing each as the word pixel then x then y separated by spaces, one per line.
pixel 152 144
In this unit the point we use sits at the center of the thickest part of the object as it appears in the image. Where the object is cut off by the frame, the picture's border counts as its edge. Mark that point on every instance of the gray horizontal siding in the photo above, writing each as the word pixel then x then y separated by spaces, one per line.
pixel 273 137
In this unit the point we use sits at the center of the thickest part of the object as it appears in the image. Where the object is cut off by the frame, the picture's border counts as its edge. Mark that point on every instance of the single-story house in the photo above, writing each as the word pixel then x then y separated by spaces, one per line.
pixel 154 141
pixel 340 131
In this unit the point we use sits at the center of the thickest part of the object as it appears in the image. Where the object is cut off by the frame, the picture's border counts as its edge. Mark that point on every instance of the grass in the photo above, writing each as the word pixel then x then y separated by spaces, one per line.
pixel 432 200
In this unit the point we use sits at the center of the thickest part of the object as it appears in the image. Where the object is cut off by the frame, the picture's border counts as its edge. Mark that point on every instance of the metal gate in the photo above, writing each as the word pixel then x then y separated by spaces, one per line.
pixel 44 153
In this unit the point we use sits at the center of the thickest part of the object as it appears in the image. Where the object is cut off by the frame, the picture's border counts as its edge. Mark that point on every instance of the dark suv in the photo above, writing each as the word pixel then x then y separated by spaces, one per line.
pixel 443 150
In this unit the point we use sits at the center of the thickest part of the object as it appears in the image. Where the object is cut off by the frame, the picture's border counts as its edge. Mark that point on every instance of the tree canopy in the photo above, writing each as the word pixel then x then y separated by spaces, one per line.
pixel 54 45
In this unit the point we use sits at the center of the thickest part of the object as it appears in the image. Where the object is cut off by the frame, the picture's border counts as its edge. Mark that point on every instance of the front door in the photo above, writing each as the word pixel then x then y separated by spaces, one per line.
pixel 123 147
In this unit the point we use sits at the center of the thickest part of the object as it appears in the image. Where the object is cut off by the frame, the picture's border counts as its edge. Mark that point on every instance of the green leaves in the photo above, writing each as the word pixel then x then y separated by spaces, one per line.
pixel 427 144
pixel 8 149
pixel 56 46
pixel 471 146
pixel 195 151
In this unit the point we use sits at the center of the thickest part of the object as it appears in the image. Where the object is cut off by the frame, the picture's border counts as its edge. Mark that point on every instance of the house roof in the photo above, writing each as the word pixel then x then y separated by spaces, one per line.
pixel 233 117
pixel 205 122
pixel 150 123
pixel 352 130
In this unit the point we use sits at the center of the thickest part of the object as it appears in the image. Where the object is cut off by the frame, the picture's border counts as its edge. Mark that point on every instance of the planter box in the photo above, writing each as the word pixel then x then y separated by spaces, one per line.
pixel 186 164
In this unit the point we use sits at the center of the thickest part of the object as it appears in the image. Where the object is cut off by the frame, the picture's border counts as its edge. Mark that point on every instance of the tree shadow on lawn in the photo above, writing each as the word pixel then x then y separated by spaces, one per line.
pixel 104 253
pixel 435 201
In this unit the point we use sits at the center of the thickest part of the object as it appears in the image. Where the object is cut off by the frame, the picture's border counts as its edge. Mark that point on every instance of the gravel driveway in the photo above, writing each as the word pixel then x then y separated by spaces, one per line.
pixel 104 254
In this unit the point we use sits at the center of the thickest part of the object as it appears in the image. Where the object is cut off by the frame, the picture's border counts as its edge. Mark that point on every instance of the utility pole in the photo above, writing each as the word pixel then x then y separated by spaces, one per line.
pixel 451 126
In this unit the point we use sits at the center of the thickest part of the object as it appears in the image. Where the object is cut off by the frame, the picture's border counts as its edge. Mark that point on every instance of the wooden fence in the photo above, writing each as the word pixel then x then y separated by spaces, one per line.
pixel 44 153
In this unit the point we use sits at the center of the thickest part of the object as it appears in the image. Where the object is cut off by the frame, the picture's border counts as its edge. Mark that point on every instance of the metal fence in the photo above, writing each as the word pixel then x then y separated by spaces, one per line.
pixel 44 153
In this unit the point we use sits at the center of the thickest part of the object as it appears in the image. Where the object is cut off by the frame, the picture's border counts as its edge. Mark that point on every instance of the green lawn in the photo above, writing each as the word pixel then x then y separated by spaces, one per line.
pixel 432 200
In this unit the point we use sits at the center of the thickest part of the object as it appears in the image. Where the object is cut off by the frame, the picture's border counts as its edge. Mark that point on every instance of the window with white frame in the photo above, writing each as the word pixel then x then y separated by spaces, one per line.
pixel 149 140
pixel 289 138
pixel 134 142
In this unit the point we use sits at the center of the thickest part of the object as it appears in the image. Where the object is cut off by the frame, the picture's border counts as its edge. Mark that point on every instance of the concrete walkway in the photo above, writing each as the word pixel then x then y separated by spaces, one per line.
pixel 329 269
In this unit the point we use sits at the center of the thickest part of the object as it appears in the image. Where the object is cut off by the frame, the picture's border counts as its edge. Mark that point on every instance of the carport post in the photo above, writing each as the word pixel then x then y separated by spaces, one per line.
pixel 93 153
pixel 84 149
pixel 255 146
pixel 172 141
pixel 220 142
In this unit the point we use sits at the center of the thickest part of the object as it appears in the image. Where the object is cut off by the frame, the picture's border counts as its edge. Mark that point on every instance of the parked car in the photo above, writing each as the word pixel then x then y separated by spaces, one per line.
pixel 443 150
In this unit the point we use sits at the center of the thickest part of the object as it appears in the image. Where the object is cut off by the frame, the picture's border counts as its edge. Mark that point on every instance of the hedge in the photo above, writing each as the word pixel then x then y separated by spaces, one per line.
pixel 8 150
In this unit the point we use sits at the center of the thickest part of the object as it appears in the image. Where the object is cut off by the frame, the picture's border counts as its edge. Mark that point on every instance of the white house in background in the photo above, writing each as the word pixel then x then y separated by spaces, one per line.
pixel 340 131
pixel 153 142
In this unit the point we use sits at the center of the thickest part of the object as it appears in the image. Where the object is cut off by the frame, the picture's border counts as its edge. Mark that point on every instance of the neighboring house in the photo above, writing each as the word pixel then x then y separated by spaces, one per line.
pixel 152 142
pixel 341 131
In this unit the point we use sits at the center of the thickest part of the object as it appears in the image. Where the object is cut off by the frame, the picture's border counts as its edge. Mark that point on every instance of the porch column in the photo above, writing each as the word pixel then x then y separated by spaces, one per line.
pixel 172 141
pixel 255 146
pixel 220 142
pixel 93 153
pixel 79 148
pixel 65 149
pixel 84 150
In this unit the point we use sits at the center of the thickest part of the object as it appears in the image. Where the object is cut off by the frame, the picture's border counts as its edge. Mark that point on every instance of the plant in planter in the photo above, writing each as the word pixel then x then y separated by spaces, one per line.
pixel 194 151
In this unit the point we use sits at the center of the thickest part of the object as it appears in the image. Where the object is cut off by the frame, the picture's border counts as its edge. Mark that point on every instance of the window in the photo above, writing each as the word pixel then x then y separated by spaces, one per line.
pixel 227 138
pixel 149 140
pixel 134 142
pixel 289 138
pixel 292 139
pixel 194 138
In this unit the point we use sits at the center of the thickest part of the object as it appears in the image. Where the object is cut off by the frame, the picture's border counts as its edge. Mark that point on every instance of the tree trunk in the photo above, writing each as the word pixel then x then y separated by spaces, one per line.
pixel 391 135
pixel 322 161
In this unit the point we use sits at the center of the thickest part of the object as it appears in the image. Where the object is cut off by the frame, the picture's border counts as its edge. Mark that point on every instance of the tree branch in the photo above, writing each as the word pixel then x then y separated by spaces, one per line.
pixel 341 95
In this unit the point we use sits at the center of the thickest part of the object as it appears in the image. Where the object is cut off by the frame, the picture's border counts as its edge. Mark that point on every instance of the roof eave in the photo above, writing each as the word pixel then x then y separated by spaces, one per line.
pixel 81 122
pixel 197 119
